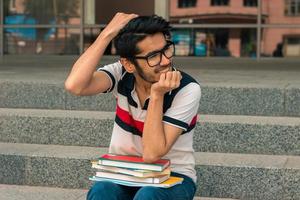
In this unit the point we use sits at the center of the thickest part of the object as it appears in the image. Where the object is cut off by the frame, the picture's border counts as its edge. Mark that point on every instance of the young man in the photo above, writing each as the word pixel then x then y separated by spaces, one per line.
pixel 156 104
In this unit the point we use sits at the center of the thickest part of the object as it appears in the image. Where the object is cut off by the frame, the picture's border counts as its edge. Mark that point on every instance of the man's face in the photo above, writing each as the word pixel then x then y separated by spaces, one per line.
pixel 148 46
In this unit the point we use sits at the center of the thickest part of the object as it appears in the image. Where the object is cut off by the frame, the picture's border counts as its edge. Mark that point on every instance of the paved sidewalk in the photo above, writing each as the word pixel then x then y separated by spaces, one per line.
pixel 17 192
pixel 212 72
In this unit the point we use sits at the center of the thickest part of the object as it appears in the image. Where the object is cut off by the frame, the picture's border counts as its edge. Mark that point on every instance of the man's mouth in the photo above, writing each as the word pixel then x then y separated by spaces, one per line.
pixel 163 69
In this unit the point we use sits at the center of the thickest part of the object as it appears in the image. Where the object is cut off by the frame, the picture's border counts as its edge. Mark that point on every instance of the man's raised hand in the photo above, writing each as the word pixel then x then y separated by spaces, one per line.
pixel 117 23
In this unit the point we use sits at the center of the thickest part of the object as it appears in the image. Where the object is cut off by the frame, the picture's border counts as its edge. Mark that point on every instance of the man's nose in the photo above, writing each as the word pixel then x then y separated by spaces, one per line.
pixel 164 60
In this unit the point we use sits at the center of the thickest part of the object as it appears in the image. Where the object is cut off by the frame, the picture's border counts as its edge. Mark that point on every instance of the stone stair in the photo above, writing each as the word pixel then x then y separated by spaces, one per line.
pixel 15 192
pixel 213 133
pixel 229 100
pixel 244 176
pixel 247 138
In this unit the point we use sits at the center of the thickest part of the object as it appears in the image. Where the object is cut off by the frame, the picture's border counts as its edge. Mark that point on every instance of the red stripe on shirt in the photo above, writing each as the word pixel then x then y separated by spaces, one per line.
pixel 194 120
pixel 127 118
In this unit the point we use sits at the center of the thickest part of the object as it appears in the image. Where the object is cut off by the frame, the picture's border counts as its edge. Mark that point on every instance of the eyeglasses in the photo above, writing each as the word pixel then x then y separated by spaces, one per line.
pixel 154 58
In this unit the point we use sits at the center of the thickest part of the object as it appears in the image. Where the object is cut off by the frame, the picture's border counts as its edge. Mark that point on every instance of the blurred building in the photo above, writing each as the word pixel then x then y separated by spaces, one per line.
pixel 238 41
pixel 201 27
pixel 61 27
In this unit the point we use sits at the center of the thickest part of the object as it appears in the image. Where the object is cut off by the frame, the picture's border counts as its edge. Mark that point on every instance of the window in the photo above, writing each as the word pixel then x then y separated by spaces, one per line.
pixel 219 2
pixel 294 40
pixel 12 6
pixel 186 3
pixel 292 7
pixel 292 46
pixel 250 3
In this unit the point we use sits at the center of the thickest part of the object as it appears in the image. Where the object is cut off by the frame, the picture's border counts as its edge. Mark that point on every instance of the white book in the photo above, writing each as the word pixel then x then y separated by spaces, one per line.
pixel 124 177
pixel 133 162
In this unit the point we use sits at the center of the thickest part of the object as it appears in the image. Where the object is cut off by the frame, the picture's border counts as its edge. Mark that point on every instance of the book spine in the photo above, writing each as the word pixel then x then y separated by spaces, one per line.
pixel 131 165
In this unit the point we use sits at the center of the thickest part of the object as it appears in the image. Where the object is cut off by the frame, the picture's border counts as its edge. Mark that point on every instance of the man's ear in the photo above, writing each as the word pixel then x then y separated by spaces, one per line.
pixel 128 65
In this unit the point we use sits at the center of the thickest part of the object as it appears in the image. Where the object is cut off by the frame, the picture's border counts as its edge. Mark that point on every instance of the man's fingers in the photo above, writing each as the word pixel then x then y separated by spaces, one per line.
pixel 162 77
pixel 132 16
pixel 176 77
pixel 172 79
pixel 123 18
pixel 169 79
pixel 179 77
pixel 118 22
pixel 128 17
pixel 169 76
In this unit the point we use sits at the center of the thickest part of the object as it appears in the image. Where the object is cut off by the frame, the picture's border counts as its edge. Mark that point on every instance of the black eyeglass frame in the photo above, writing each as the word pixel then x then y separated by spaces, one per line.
pixel 162 51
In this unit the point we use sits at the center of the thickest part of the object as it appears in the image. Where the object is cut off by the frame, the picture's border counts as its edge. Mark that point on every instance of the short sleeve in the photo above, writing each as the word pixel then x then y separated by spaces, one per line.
pixel 114 72
pixel 184 108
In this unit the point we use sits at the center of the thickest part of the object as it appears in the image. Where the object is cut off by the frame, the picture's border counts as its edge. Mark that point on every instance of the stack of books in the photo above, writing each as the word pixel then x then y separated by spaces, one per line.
pixel 132 171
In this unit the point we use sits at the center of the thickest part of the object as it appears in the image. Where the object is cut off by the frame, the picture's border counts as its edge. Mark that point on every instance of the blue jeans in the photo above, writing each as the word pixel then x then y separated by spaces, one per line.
pixel 105 190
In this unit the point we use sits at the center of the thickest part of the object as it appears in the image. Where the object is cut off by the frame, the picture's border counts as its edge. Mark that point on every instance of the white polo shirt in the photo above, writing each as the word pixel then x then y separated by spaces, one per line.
pixel 179 109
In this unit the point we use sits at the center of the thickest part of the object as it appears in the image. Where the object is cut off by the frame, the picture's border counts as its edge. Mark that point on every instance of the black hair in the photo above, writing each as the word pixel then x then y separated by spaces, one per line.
pixel 136 30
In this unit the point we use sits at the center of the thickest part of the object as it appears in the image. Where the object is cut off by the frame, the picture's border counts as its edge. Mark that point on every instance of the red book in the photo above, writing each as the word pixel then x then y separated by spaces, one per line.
pixel 132 162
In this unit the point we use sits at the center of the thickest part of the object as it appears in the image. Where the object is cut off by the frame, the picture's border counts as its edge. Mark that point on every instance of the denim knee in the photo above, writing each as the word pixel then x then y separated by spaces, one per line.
pixel 150 193
pixel 101 191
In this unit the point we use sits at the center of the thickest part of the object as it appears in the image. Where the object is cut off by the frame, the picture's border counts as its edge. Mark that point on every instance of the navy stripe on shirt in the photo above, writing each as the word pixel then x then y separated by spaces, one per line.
pixel 112 79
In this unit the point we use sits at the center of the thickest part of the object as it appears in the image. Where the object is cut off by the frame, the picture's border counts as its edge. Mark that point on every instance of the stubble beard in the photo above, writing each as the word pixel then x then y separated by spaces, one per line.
pixel 157 70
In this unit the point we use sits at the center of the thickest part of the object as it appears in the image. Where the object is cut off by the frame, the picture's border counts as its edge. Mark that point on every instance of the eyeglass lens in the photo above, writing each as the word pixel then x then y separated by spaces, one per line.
pixel 155 59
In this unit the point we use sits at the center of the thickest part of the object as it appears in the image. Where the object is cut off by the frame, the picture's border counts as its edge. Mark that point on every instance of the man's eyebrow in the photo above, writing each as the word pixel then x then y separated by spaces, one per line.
pixel 157 51
pixel 140 34
pixel 153 52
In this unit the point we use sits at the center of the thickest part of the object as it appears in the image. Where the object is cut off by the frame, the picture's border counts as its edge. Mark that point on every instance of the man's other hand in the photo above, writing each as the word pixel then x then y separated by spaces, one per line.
pixel 167 82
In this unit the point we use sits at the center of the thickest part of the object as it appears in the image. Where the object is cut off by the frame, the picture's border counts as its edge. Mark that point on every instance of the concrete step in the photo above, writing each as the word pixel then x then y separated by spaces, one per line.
pixel 222 99
pixel 16 192
pixel 219 175
pixel 213 133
